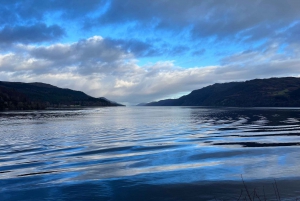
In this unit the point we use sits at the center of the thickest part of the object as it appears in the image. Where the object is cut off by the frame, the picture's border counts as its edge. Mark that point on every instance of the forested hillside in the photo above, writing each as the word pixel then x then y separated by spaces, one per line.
pixel 26 96
pixel 273 92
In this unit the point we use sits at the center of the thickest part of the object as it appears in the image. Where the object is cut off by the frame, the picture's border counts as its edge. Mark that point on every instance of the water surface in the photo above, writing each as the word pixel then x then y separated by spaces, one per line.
pixel 148 153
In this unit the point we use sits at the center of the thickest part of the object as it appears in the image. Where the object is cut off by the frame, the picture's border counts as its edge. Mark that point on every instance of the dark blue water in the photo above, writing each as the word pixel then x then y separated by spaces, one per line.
pixel 149 153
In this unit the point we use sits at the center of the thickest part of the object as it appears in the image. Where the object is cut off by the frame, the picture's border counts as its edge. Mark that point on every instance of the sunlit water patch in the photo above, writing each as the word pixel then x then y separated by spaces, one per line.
pixel 147 153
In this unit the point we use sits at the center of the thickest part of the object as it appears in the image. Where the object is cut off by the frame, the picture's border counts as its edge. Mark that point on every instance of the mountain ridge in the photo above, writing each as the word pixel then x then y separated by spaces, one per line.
pixel 37 95
pixel 271 92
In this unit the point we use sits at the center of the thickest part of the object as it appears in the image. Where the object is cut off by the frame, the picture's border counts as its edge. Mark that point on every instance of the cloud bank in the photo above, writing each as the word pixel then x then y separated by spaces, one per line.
pixel 102 68
pixel 139 51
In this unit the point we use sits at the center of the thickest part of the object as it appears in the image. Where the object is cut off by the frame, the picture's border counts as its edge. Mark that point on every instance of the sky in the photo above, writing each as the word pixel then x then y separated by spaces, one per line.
pixel 134 51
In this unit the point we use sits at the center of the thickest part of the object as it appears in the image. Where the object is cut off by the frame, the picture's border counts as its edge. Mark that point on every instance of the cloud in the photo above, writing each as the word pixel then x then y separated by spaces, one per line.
pixel 137 47
pixel 198 52
pixel 235 19
pixel 32 10
pixel 252 19
pixel 87 56
pixel 226 18
pixel 291 34
pixel 156 28
pixel 99 68
pixel 144 42
pixel 30 34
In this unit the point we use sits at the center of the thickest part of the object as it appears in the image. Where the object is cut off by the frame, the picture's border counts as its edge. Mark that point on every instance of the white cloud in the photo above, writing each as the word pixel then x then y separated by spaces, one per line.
pixel 99 68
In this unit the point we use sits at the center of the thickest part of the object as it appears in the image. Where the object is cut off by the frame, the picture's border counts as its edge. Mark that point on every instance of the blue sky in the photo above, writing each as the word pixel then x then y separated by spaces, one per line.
pixel 140 51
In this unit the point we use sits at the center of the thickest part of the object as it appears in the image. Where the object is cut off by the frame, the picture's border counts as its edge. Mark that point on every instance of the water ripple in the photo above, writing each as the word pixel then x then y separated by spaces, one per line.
pixel 147 145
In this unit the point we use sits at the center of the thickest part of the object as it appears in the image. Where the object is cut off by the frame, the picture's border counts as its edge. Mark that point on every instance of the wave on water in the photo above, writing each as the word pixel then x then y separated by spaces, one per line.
pixel 141 146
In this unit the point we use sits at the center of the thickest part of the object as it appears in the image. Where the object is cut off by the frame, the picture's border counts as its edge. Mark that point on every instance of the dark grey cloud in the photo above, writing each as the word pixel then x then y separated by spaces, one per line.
pixel 238 20
pixel 6 15
pixel 156 28
pixel 94 49
pixel 88 56
pixel 198 52
pixel 28 10
pixel 147 49
pixel 250 20
pixel 291 34
pixel 245 19
pixel 134 46
pixel 73 9
pixel 99 68
pixel 30 34
pixel 179 50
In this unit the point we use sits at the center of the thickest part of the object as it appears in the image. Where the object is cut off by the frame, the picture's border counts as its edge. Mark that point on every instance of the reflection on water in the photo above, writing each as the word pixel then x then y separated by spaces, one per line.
pixel 148 153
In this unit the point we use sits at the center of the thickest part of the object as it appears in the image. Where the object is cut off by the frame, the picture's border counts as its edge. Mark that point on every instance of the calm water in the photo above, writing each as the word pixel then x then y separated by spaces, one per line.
pixel 149 153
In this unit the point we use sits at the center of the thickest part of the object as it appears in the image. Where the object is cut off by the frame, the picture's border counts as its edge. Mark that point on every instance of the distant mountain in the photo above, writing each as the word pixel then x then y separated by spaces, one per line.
pixel 113 102
pixel 26 96
pixel 273 92
pixel 141 104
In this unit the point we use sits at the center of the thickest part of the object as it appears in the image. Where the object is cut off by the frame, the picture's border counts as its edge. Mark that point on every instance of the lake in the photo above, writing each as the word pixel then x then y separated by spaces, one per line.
pixel 149 153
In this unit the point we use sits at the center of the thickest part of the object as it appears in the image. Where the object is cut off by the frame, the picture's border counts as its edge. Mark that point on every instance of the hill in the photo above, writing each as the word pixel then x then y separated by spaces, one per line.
pixel 26 96
pixel 141 104
pixel 273 92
